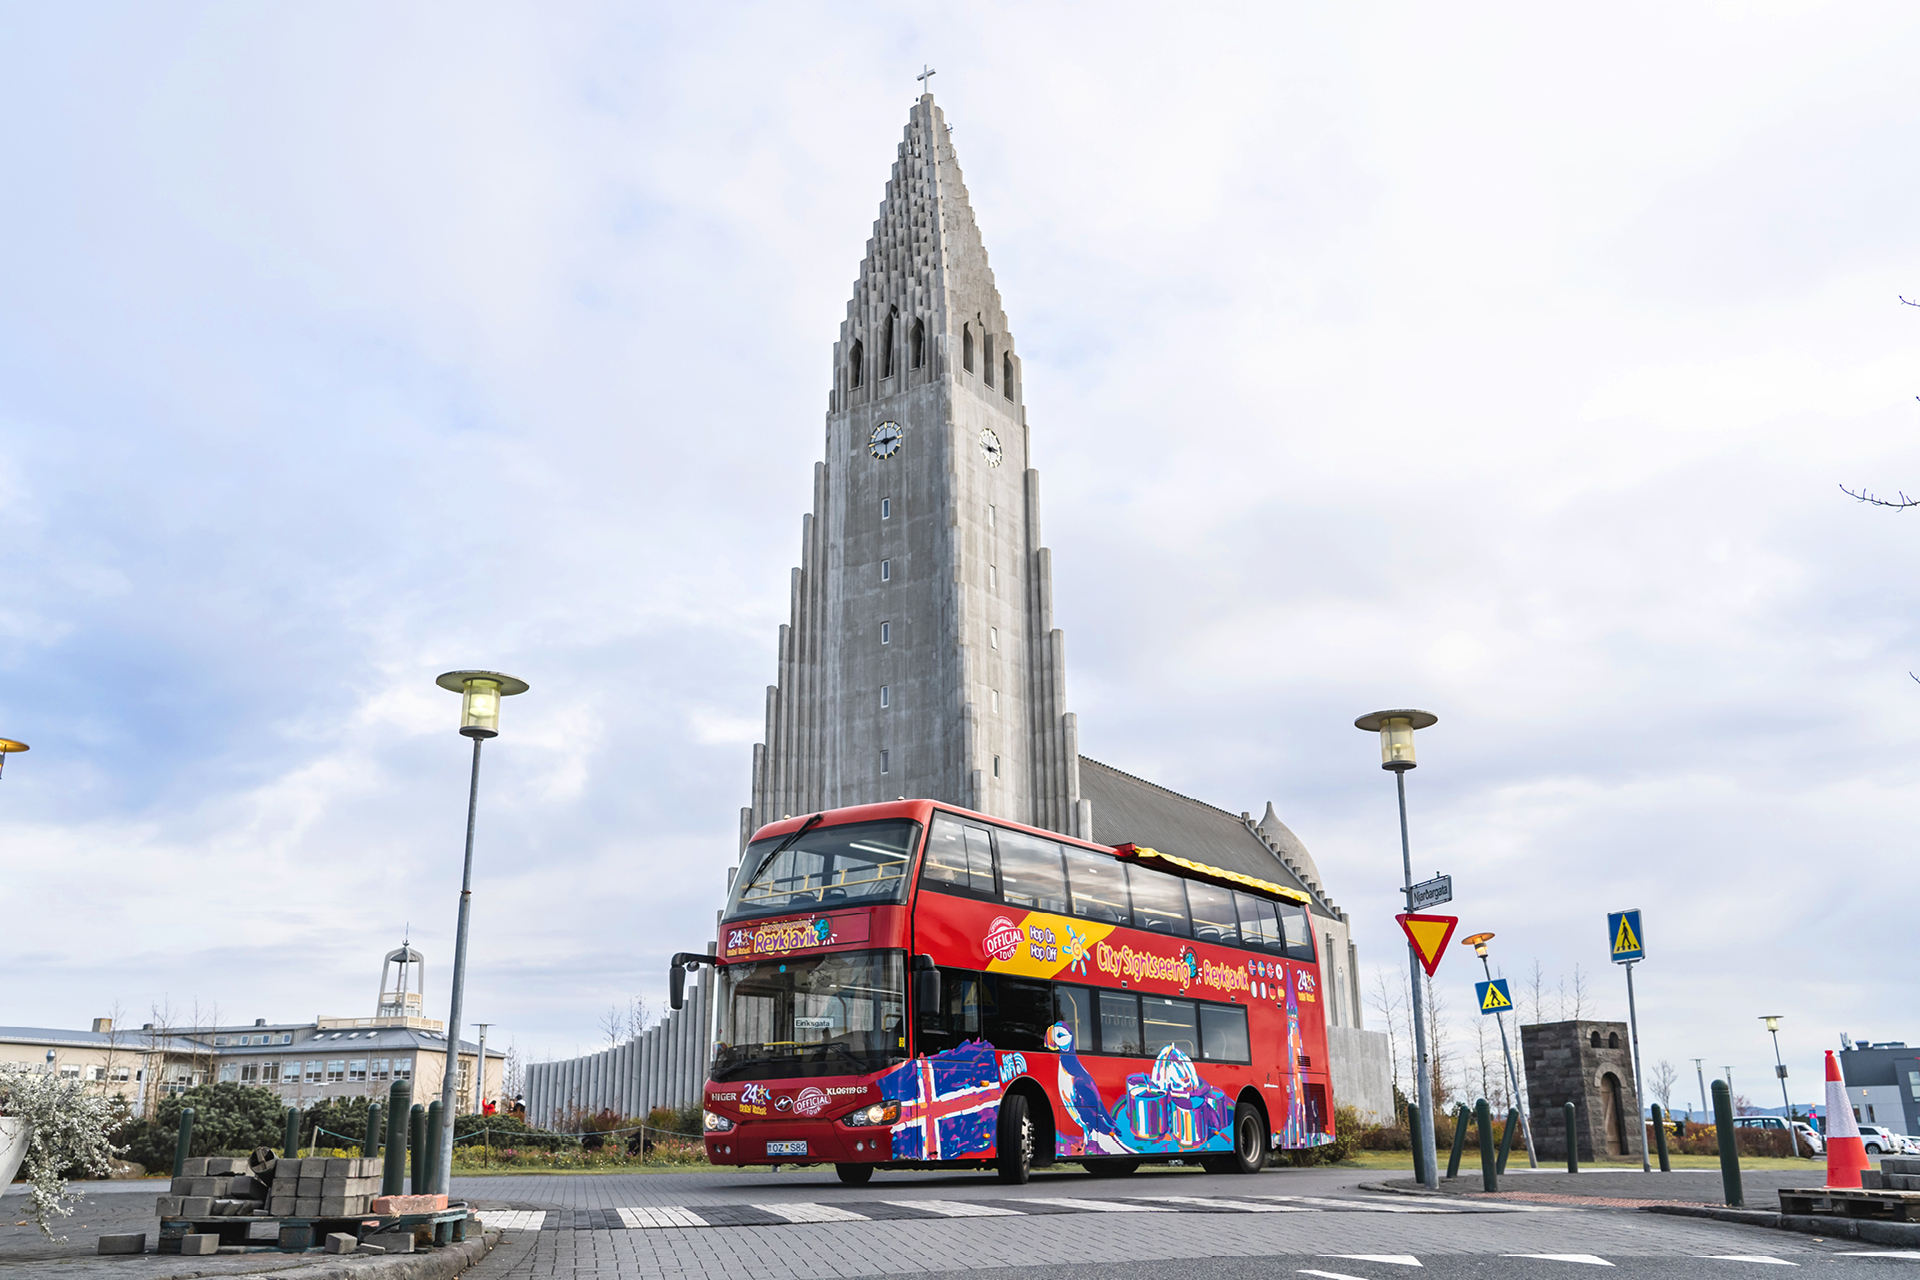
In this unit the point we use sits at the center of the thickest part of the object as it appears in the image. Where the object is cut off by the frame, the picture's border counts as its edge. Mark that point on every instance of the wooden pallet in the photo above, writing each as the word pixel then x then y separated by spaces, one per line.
pixel 1894 1206
pixel 449 1226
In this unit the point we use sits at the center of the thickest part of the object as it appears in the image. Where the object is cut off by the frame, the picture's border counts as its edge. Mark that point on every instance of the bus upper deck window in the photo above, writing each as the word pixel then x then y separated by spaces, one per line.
pixel 1099 886
pixel 1258 925
pixel 1030 872
pixel 1213 914
pixel 1159 901
pixel 1299 935
pixel 959 858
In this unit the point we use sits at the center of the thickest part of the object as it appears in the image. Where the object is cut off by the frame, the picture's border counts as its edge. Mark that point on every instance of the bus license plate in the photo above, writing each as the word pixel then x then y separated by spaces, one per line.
pixel 798 1148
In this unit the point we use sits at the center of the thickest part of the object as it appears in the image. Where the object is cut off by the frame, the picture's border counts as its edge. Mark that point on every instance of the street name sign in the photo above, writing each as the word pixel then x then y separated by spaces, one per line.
pixel 1432 893
pixel 1629 942
pixel 1494 996
pixel 1429 936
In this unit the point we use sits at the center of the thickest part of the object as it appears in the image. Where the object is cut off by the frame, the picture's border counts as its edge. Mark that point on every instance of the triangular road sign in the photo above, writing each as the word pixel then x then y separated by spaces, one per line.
pixel 1626 939
pixel 1429 935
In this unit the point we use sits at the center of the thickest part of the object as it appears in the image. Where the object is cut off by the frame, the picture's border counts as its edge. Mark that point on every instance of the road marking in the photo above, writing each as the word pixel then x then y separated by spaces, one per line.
pixel 955 1208
pixel 1587 1258
pixel 811 1213
pixel 1747 1257
pixel 1099 1206
pixel 641 1219
pixel 514 1219
pixel 1236 1206
pixel 1402 1259
pixel 1415 1205
pixel 1330 1275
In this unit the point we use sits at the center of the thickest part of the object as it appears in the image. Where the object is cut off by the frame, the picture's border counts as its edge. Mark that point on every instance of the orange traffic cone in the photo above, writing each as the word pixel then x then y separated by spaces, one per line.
pixel 1846 1156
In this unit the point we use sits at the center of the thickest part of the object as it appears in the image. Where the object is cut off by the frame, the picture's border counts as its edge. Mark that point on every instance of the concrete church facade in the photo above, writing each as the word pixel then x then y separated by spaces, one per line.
pixel 920 658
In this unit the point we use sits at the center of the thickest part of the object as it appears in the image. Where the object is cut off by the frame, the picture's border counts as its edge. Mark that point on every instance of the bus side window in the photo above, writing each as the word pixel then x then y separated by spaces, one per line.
pixel 1074 1006
pixel 1258 926
pixel 1018 1012
pixel 1120 1023
pixel 1170 1022
pixel 1031 874
pixel 1213 914
pixel 959 858
pixel 1159 901
pixel 1293 918
pixel 1099 886
pixel 957 1020
pixel 1223 1033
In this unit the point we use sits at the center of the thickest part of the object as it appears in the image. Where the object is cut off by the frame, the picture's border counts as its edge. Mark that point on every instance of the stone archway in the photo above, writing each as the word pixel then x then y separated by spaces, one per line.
pixel 1613 1122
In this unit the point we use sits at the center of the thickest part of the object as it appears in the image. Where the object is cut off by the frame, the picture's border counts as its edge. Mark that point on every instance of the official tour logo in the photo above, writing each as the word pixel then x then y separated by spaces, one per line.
pixel 811 1101
pixel 1002 940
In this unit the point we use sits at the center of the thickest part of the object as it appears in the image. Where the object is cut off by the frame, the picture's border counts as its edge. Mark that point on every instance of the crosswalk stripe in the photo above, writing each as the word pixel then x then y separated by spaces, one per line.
pixel 955 1208
pixel 1399 1259
pixel 1413 1205
pixel 1328 1275
pixel 1100 1206
pixel 514 1219
pixel 1748 1257
pixel 1237 1206
pixel 812 1213
pixel 640 1219
pixel 1587 1258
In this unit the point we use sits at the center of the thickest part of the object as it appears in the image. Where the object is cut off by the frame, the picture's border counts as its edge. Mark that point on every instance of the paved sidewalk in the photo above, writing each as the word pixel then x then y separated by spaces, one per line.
pixel 1626 1186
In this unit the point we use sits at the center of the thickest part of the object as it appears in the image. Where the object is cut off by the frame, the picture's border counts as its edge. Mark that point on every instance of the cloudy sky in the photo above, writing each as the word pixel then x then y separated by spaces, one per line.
pixel 1486 360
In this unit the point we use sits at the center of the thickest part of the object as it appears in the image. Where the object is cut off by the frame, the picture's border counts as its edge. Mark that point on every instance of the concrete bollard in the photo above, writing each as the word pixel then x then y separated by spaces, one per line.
pixel 1413 1131
pixel 181 1143
pixel 292 1148
pixel 1459 1140
pixel 1660 1137
pixel 1573 1139
pixel 1729 1148
pixel 434 1121
pixel 1483 1117
pixel 393 1176
pixel 1506 1137
pixel 371 1147
pixel 417 1143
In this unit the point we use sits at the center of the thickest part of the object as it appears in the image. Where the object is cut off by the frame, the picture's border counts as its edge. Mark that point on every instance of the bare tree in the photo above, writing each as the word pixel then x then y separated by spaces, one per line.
pixel 1489 1073
pixel 1536 980
pixel 1437 1047
pixel 1580 997
pixel 1660 1083
pixel 1386 1002
pixel 613 1024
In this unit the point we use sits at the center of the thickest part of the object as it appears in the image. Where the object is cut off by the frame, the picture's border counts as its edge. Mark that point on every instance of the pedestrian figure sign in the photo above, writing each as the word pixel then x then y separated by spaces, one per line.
pixel 1494 996
pixel 1629 943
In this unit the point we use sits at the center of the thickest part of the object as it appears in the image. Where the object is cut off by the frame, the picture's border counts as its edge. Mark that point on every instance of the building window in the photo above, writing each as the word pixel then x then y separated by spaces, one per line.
pixel 854 360
pixel 120 1075
pixel 989 515
pixel 1006 375
pixel 336 1070
pixel 886 696
pixel 993 636
pixel 286 1037
pixel 357 1071
pixel 996 766
pixel 919 343
pixel 314 1071
pixel 886 353
pixel 995 695
pixel 886 633
pixel 987 367
pixel 966 347
pixel 249 1072
pixel 70 1073
pixel 886 508
pixel 884 762
pixel 219 1042
pixel 993 577
pixel 229 1072
pixel 886 571
pixel 403 1068
pixel 379 1068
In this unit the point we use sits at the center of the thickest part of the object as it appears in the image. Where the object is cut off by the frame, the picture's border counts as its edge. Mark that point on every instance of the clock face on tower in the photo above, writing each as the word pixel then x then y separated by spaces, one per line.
pixel 885 440
pixel 990 446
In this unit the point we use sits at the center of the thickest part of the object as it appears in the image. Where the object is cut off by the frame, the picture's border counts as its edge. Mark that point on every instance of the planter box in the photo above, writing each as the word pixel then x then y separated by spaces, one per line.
pixel 14 1137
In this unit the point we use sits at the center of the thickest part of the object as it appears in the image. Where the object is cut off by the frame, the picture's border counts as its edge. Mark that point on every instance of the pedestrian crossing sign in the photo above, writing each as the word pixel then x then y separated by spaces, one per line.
pixel 1494 996
pixel 1629 942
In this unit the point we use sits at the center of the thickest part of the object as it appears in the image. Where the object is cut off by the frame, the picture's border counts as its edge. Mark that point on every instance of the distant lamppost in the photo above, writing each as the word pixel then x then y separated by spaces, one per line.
pixel 1780 1069
pixel 480 1090
pixel 1396 754
pixel 1700 1075
pixel 480 693
pixel 1479 943
pixel 9 747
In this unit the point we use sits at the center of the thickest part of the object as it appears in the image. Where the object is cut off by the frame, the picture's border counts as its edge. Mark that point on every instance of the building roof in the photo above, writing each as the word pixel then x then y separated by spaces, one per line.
pixel 129 1040
pixel 1129 809
pixel 306 1039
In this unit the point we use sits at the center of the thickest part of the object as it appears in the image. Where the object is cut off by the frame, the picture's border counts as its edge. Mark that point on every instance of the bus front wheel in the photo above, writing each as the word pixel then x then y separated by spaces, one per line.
pixel 1015 1140
pixel 854 1175
pixel 1249 1144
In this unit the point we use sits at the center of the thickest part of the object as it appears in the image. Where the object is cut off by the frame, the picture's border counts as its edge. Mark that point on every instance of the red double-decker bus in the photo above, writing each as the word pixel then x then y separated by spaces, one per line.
pixel 912 985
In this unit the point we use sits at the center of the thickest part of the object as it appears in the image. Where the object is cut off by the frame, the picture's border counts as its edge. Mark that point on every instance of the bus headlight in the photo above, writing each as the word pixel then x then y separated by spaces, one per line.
pixel 878 1113
pixel 716 1124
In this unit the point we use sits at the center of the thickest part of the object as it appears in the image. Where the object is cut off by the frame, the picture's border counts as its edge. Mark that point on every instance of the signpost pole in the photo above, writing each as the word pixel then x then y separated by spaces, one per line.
pixel 1513 1078
pixel 1422 1079
pixel 1633 1025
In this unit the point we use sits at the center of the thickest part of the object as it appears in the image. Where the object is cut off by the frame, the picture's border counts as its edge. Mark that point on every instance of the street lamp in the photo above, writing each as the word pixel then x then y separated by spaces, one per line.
pixel 1780 1069
pixel 480 693
pixel 8 747
pixel 1479 943
pixel 1396 729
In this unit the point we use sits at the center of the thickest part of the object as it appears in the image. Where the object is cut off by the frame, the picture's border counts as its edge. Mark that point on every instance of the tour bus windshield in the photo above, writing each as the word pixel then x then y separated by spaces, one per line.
pixel 860 864
pixel 839 1014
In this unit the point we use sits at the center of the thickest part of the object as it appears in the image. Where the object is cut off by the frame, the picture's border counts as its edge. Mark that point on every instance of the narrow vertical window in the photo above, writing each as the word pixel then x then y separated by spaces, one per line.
pixel 996 766
pixel 886 696
pixel 993 577
pixel 996 701
pixel 886 571
pixel 993 636
pixel 886 633
pixel 886 352
pixel 855 359
pixel 966 347
pixel 919 349
pixel 886 508
pixel 883 762
pixel 989 515
pixel 986 370
pixel 1006 375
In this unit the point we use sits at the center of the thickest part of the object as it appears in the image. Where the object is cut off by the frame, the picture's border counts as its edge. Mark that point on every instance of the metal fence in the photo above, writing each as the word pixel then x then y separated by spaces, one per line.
pixel 664 1066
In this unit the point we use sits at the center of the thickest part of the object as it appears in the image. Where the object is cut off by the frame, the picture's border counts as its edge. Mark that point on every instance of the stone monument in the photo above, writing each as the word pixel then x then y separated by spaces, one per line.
pixel 1588 1064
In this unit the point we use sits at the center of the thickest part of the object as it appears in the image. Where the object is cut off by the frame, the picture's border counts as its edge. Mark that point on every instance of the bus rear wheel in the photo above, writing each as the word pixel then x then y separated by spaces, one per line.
pixel 1249 1144
pixel 854 1175
pixel 1015 1142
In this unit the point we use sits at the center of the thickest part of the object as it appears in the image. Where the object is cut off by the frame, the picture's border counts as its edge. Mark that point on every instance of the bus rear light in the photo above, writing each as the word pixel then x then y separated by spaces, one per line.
pixel 717 1124
pixel 878 1113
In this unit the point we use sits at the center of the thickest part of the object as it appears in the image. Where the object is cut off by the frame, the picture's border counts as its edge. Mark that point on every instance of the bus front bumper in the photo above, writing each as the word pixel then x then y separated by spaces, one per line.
pixel 800 1142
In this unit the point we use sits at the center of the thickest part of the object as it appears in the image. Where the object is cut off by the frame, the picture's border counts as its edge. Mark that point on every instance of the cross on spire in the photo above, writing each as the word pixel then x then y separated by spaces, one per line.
pixel 926 78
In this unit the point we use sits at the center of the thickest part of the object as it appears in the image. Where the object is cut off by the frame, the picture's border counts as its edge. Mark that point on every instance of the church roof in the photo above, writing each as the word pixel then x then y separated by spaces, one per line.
pixel 1127 809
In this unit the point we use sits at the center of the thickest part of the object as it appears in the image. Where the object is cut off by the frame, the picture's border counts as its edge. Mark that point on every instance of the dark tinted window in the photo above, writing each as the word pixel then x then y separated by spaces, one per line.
pixel 959 858
pixel 1099 886
pixel 1006 1012
pixel 1258 925
pixel 1299 933
pixel 1223 1033
pixel 1170 1022
pixel 1119 1023
pixel 1074 1006
pixel 957 1020
pixel 1214 919
pixel 1159 901
pixel 1030 872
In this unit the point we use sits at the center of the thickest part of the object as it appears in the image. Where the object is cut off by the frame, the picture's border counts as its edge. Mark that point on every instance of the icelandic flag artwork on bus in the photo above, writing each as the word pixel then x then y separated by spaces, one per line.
pixel 949 1103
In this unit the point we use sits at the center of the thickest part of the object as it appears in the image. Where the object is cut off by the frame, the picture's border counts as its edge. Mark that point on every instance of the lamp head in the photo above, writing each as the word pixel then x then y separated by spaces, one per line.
pixel 480 693
pixel 7 747
pixel 1479 943
pixel 1396 734
pixel 1772 1020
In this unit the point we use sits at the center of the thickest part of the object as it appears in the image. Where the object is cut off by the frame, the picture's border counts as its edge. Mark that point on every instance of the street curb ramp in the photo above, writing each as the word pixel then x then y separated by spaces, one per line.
pixel 1828 1227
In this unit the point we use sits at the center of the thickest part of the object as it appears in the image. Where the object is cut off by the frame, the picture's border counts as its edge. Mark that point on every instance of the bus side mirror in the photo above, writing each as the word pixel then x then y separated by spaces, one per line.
pixel 676 986
pixel 926 985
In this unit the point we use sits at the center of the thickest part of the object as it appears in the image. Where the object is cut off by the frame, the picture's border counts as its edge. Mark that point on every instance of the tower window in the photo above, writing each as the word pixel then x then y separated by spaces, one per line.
pixel 996 701
pixel 996 766
pixel 993 636
pixel 886 352
pixel 986 341
pixel 919 350
pixel 883 762
pixel 886 633
pixel 886 508
pixel 886 571
pixel 855 358
pixel 886 695
pixel 966 347
pixel 1006 374
pixel 989 515
pixel 993 577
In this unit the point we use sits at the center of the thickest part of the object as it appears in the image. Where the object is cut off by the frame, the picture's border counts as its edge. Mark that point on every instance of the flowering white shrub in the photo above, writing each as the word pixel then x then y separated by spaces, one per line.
pixel 69 1127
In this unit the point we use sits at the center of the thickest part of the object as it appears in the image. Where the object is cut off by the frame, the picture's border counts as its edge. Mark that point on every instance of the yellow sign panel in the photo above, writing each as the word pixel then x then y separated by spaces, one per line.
pixel 1625 940
pixel 1496 999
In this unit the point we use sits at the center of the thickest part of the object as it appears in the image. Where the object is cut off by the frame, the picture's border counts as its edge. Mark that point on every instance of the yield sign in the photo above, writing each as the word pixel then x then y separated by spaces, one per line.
pixel 1429 935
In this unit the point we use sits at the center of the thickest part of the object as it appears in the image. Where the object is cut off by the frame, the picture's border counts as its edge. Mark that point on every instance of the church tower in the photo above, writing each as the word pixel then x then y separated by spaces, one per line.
pixel 921 658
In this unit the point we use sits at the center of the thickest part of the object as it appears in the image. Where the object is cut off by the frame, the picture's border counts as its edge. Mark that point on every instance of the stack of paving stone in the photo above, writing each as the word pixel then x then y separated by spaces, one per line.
pixel 215 1187
pixel 1896 1173
pixel 324 1187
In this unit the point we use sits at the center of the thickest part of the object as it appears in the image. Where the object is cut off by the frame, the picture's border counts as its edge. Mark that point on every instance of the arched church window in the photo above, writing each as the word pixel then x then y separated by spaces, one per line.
pixel 886 352
pixel 1595 1040
pixel 986 343
pixel 919 343
pixel 854 360
pixel 966 347
pixel 1006 374
pixel 1613 1039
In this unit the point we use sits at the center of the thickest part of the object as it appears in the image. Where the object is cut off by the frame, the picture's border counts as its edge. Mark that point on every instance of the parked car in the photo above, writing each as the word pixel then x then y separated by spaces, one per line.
pixel 1913 1145
pixel 1810 1137
pixel 1879 1141
pixel 1806 1141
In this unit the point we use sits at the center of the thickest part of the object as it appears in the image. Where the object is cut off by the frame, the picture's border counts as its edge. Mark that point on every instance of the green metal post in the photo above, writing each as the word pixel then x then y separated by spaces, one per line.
pixel 1506 1136
pixel 436 1121
pixel 372 1146
pixel 1413 1132
pixel 417 1143
pixel 181 1143
pixel 1660 1137
pixel 1483 1117
pixel 292 1148
pixel 393 1175
pixel 1459 1140
pixel 1573 1139
pixel 1729 1149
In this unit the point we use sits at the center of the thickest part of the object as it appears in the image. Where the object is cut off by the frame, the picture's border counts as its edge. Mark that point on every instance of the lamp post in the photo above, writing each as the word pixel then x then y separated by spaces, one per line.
pixel 1479 943
pixel 480 1090
pixel 1780 1069
pixel 1396 755
pixel 9 747
pixel 480 693
pixel 1701 1076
